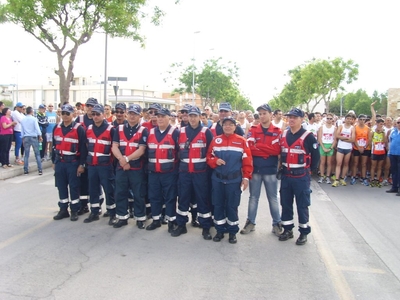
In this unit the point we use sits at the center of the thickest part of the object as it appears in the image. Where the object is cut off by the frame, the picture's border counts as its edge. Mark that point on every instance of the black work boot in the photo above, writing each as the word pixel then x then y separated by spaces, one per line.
pixel 120 223
pixel 302 239
pixel 83 210
pixel 61 215
pixel 74 216
pixel 287 234
pixel 206 234
pixel 218 237
pixel 155 224
pixel 232 238
pixel 113 220
pixel 92 217
pixel 180 229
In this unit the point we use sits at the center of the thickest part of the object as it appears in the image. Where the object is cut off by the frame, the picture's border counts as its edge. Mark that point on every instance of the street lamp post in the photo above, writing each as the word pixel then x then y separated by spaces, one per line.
pixel 194 55
pixel 17 62
pixel 341 106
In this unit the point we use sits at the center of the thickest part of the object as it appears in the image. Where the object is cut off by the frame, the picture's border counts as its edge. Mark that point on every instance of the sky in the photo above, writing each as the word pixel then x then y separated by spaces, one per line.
pixel 264 38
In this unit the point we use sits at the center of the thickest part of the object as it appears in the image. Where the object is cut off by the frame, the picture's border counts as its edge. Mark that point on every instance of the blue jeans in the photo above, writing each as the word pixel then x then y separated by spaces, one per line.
pixel 28 142
pixel 18 143
pixel 271 189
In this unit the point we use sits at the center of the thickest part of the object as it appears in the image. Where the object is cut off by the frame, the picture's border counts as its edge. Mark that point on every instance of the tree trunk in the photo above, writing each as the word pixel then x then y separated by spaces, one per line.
pixel 65 78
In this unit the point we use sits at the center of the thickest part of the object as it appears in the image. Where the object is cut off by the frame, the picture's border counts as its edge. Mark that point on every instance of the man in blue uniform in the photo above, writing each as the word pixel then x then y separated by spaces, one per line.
pixel 68 157
pixel 129 145
pixel 225 110
pixel 299 155
pixel 99 164
pixel 194 141
pixel 163 148
pixel 86 120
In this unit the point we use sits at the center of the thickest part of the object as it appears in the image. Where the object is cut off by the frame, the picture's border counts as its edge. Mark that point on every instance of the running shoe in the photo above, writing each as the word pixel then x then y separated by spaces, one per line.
pixel 328 181
pixel 335 183
pixel 342 182
pixel 385 183
pixel 321 179
pixel 353 181
pixel 365 182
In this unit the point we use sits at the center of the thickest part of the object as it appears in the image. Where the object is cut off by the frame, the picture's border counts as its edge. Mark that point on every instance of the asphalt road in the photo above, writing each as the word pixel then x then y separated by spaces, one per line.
pixel 352 252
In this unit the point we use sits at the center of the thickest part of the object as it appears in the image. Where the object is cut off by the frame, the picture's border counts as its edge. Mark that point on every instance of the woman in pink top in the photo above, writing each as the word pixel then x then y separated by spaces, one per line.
pixel 6 134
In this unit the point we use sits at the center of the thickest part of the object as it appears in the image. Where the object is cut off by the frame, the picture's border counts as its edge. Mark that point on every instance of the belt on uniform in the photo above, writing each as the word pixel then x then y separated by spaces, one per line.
pixel 294 172
pixel 229 176
pixel 67 158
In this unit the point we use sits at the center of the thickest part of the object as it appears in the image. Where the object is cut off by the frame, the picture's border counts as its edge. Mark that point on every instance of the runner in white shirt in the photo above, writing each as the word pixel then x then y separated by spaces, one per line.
pixel 345 136
pixel 277 121
pixel 327 142
pixel 311 125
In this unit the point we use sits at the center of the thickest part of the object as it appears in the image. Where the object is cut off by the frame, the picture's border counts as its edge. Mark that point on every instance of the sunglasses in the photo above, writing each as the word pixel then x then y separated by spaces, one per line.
pixel 89 105
pixel 65 113
pixel 151 112
pixel 329 118
pixel 50 105
pixel 119 112
pixel 398 122
pixel 96 114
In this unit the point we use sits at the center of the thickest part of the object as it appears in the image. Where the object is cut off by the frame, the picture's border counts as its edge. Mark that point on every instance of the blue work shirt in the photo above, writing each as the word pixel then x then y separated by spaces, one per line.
pixel 394 139
pixel 30 127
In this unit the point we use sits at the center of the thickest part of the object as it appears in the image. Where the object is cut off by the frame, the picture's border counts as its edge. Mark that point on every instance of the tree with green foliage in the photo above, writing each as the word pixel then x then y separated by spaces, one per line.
pixel 215 82
pixel 315 81
pixel 62 26
pixel 360 102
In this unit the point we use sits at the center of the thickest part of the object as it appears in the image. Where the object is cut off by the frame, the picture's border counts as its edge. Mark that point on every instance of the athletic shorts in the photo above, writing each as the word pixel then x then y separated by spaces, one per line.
pixel 378 157
pixel 49 137
pixel 365 153
pixel 344 151
pixel 323 153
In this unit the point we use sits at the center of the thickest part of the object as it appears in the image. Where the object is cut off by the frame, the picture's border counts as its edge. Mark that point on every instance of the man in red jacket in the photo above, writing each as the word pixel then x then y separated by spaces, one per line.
pixel 230 157
pixel 265 149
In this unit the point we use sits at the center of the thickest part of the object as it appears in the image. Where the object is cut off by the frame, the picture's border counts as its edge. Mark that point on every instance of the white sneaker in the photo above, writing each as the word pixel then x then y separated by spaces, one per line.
pixel 321 179
pixel 328 181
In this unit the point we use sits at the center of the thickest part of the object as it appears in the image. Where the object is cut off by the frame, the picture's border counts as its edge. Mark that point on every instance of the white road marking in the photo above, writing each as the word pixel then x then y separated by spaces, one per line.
pixel 29 177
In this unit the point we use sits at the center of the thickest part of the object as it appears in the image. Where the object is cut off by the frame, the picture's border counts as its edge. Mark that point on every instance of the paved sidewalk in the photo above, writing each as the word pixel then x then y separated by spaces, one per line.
pixel 17 170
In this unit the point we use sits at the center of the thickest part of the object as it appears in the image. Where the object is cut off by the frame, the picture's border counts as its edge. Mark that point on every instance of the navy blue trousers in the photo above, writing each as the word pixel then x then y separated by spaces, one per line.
pixel 163 190
pixel 101 176
pixel 66 177
pixel 299 188
pixel 193 186
pixel 128 183
pixel 226 200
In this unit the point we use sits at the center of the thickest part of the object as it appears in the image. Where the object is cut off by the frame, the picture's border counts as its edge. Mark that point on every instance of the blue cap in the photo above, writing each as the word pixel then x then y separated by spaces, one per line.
pixel 98 108
pixel 186 107
pixel 19 104
pixel 67 108
pixel 120 105
pixel 229 119
pixel 92 101
pixel 155 106
pixel 163 111
pixel 135 108
pixel 194 111
pixel 264 106
pixel 225 106
pixel 296 112
pixel 42 106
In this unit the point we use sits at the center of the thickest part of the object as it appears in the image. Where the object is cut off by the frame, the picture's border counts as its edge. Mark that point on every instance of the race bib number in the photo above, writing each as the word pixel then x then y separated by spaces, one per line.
pixel 379 146
pixel 362 142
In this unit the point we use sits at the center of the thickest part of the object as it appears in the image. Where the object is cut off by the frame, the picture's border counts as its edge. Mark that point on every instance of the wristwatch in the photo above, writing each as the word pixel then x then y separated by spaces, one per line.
pixel 126 158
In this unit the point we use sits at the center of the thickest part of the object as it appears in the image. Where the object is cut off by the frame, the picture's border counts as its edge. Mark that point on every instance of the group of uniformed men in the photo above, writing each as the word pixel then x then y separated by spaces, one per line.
pixel 168 172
